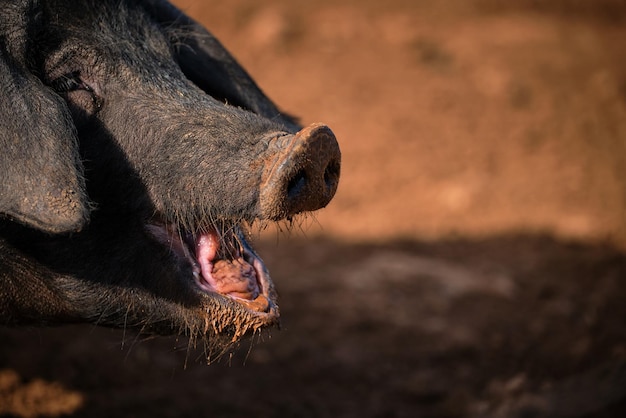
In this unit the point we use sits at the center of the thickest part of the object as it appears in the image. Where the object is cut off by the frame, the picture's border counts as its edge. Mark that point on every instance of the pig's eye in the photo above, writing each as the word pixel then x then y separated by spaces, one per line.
pixel 81 97
pixel 70 82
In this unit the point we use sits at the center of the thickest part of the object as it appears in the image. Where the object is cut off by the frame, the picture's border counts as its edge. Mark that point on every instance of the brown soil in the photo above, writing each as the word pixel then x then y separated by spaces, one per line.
pixel 472 263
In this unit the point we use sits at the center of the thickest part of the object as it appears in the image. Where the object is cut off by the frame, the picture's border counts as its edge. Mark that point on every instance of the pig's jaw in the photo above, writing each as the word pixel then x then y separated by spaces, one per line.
pixel 222 264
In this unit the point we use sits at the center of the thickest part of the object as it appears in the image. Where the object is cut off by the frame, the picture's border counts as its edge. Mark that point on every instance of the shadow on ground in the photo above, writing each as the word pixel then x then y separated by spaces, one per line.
pixel 515 326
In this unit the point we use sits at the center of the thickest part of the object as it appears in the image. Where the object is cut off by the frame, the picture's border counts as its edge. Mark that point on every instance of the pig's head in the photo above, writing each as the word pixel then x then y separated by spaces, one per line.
pixel 161 150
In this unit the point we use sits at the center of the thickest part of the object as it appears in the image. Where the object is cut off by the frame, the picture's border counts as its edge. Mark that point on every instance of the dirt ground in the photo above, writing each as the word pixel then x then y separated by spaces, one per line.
pixel 473 262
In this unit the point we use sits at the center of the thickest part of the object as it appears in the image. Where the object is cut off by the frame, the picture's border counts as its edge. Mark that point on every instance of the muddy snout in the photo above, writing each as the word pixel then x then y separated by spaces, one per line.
pixel 301 172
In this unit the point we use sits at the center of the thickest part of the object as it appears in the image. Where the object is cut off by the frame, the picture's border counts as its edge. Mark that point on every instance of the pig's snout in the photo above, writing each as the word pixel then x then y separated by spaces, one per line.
pixel 301 172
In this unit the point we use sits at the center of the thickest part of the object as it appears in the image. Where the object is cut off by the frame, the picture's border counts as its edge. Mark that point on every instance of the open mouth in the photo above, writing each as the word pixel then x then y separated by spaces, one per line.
pixel 222 263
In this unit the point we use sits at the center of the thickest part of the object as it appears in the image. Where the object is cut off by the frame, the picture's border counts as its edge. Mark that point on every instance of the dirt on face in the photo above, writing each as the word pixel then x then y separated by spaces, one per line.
pixel 472 262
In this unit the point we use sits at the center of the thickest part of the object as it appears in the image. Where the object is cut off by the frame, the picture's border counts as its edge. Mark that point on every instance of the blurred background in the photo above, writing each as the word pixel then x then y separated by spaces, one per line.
pixel 470 118
pixel 472 262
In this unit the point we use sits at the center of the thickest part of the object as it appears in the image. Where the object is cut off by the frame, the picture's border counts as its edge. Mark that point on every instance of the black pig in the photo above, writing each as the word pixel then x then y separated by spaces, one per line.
pixel 135 151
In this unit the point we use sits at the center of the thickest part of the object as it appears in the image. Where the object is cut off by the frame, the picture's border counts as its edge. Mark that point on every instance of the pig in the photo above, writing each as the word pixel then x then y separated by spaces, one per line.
pixel 136 154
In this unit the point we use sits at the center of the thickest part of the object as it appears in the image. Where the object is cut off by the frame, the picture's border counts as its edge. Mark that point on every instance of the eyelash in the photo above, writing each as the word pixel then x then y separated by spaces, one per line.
pixel 70 82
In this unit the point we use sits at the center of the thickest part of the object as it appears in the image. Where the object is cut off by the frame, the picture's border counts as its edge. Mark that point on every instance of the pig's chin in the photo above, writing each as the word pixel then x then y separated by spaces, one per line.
pixel 222 264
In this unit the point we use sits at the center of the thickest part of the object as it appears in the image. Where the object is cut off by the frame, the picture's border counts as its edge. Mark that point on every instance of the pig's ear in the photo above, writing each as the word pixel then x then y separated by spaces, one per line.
pixel 208 64
pixel 41 178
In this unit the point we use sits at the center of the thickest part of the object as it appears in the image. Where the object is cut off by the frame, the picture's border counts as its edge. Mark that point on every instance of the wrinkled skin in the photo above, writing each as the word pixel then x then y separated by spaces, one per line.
pixel 140 141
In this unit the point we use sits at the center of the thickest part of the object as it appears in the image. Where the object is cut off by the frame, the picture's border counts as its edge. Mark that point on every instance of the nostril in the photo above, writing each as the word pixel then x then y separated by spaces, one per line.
pixel 296 184
pixel 331 174
pixel 301 174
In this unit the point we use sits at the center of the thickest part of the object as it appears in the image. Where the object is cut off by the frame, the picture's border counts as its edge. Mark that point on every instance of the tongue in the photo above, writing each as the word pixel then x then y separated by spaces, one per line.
pixel 236 277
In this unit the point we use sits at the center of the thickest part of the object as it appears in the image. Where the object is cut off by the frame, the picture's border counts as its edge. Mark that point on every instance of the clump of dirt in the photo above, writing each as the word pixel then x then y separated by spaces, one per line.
pixel 35 398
